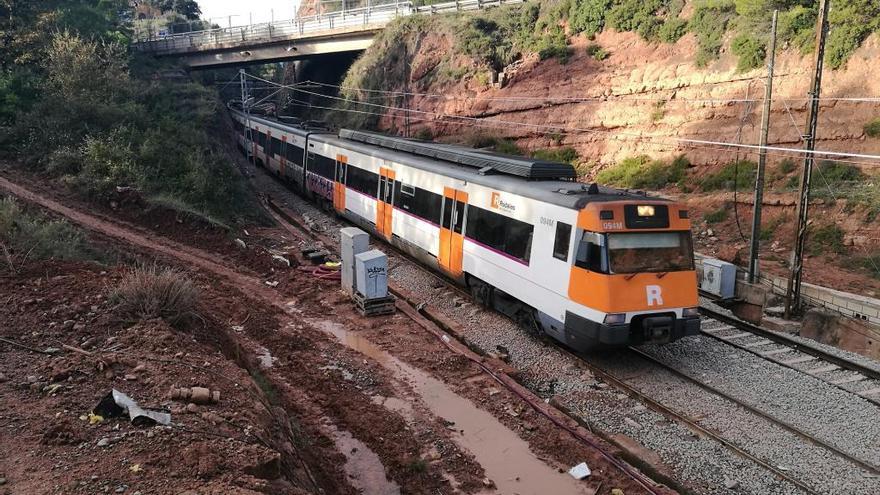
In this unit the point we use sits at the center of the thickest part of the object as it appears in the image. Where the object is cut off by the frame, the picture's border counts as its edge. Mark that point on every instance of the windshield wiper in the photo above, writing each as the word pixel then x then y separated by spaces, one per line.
pixel 662 274
pixel 631 276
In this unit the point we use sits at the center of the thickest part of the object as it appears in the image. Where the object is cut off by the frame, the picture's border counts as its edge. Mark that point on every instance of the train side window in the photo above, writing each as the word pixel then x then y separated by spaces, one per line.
pixel 563 238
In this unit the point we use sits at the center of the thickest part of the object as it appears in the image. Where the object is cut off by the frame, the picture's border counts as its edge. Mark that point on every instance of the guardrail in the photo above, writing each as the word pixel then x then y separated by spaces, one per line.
pixel 364 18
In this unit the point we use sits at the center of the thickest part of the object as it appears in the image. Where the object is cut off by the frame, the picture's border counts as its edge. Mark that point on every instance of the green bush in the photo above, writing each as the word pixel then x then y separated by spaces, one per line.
pixel 554 44
pixel 851 24
pixel 672 30
pixel 717 216
pixel 596 52
pixel 739 175
pixel 872 128
pixel 659 111
pixel 643 173
pixel 798 27
pixel 709 23
pixel 588 16
pixel 750 50
pixel 636 15
pixel 499 145
pixel 787 166
pixel 837 173
pixel 867 264
pixel 562 155
pixel 826 239
pixel 32 236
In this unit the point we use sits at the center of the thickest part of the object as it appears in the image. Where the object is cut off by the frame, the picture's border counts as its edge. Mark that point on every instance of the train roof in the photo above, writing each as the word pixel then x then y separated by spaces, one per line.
pixel 564 193
pixel 486 162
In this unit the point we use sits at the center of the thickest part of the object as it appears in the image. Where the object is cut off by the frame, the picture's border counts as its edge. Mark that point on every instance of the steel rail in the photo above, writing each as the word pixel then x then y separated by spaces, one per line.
pixel 787 341
pixel 757 412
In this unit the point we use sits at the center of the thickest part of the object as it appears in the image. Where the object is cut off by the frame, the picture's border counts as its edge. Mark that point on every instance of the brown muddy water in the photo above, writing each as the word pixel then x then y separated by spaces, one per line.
pixel 505 457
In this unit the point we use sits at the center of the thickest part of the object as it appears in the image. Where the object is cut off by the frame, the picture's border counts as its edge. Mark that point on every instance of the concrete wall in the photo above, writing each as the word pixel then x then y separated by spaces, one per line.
pixel 865 309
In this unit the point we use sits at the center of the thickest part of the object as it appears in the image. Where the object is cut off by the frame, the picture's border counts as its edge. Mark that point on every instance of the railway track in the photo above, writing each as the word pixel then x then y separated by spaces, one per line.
pixel 785 351
pixel 720 326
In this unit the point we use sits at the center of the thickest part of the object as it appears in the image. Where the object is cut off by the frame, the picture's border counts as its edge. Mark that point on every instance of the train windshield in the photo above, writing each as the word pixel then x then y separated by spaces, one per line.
pixel 650 252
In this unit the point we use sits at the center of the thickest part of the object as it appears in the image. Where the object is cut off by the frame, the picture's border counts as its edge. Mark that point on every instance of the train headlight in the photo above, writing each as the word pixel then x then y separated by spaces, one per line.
pixel 645 210
pixel 615 319
pixel 690 312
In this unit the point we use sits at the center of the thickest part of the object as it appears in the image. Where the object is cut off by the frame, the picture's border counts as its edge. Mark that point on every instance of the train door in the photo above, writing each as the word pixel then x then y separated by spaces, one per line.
pixel 452 231
pixel 385 201
pixel 282 158
pixel 267 150
pixel 254 138
pixel 339 185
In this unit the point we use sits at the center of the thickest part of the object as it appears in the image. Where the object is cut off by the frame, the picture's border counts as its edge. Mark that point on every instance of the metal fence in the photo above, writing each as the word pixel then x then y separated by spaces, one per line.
pixel 364 18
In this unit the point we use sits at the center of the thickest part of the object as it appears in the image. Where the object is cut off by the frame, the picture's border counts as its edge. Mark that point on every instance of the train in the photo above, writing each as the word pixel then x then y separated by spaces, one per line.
pixel 588 266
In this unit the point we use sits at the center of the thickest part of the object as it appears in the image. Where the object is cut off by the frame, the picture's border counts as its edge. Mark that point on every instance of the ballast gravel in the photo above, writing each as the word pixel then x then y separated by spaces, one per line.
pixel 699 463
pixel 759 436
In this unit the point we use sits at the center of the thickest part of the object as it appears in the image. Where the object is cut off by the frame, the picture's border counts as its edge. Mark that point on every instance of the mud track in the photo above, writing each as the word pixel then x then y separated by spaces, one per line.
pixel 377 406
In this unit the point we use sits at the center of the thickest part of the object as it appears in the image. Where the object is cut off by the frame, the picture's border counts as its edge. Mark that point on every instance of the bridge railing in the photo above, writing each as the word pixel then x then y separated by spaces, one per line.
pixel 373 16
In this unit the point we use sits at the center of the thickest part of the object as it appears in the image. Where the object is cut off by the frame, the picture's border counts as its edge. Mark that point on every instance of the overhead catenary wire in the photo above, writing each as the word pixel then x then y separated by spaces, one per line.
pixel 596 99
pixel 614 134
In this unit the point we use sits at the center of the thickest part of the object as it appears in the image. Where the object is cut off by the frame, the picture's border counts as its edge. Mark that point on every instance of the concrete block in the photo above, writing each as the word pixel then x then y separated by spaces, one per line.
pixel 371 274
pixel 353 241
pixel 780 325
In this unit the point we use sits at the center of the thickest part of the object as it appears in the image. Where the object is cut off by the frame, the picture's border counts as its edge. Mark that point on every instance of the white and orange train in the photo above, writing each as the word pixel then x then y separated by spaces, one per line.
pixel 589 266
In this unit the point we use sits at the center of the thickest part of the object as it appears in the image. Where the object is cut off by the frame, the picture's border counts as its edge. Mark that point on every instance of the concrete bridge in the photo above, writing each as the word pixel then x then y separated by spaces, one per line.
pixel 302 37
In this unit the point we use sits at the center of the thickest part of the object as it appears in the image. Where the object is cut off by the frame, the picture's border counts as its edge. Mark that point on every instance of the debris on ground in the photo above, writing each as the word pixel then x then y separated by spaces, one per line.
pixel 580 471
pixel 198 395
pixel 116 404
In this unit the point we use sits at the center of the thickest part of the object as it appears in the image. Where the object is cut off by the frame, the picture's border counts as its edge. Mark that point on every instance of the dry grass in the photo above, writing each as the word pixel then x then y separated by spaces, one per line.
pixel 149 292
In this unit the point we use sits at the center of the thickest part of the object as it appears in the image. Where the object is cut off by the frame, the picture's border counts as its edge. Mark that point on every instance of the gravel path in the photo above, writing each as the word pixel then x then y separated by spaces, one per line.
pixel 702 464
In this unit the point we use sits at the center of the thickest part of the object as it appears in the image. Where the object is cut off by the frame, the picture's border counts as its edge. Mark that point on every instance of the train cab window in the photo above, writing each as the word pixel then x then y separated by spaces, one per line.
pixel 563 238
pixel 591 253
pixel 653 252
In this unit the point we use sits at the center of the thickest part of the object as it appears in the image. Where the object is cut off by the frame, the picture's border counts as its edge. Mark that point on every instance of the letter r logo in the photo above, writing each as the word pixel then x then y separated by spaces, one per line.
pixel 495 198
pixel 655 295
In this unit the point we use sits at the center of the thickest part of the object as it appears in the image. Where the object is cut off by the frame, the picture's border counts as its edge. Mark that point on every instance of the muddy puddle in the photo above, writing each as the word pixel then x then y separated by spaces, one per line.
pixel 505 457
pixel 363 466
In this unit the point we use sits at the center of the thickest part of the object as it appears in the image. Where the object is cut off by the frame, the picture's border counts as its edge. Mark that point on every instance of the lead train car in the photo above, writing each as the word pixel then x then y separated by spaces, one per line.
pixel 590 267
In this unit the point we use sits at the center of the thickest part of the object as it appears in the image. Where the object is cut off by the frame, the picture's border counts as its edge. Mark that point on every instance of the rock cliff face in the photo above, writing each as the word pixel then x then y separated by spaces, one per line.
pixel 644 97
pixel 641 100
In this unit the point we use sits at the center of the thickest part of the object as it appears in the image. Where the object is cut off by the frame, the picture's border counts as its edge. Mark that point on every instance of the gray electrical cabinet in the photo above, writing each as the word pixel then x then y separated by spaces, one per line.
pixel 719 278
pixel 354 241
pixel 371 274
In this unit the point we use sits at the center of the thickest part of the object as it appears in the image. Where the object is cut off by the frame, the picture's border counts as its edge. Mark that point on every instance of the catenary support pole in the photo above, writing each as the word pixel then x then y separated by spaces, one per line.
pixel 793 291
pixel 754 266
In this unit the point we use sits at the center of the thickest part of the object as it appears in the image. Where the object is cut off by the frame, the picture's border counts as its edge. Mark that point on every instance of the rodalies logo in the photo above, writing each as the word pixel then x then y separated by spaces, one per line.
pixel 500 204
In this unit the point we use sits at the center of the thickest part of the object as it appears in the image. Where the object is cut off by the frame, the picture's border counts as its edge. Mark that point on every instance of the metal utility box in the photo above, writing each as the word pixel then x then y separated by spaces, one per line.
pixel 371 274
pixel 354 241
pixel 719 278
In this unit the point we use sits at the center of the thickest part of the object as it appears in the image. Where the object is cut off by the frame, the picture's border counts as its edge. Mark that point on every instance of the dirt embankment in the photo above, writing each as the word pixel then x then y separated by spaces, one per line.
pixel 644 96
pixel 300 411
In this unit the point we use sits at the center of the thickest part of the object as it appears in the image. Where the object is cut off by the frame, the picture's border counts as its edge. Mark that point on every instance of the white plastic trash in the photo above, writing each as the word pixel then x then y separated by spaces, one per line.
pixel 580 471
